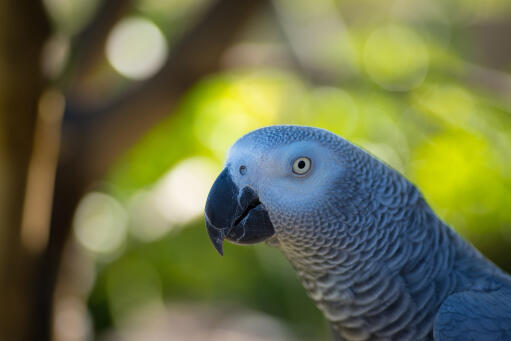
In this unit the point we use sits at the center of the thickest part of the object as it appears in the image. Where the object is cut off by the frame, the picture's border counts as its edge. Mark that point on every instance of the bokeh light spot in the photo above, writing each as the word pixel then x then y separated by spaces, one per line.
pixel 100 223
pixel 69 16
pixel 396 58
pixel 181 194
pixel 146 222
pixel 136 48
pixel 447 102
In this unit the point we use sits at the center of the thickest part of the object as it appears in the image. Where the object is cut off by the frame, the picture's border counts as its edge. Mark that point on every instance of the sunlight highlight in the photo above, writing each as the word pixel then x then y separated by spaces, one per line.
pixel 136 48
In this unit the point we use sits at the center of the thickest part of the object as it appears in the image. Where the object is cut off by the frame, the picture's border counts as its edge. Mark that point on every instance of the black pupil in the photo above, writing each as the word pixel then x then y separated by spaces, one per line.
pixel 301 164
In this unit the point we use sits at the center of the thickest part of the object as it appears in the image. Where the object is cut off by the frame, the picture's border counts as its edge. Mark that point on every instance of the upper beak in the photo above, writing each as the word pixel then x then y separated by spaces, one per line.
pixel 235 215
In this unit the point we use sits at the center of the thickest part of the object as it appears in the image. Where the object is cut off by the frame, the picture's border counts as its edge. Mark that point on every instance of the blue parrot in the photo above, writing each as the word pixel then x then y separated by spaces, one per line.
pixel 368 249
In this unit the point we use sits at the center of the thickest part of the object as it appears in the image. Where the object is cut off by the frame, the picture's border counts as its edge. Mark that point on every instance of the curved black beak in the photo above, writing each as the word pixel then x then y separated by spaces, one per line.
pixel 235 215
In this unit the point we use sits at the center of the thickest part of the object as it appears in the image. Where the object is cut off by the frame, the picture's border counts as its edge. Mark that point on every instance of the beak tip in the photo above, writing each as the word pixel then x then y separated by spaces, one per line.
pixel 218 244
pixel 216 236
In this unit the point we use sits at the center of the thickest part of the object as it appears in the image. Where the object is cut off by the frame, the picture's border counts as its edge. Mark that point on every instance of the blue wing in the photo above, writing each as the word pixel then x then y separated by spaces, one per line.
pixel 475 316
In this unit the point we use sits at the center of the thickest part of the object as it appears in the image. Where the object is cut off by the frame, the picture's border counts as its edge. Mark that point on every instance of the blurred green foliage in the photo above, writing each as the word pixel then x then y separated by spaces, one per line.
pixel 184 267
pixel 404 93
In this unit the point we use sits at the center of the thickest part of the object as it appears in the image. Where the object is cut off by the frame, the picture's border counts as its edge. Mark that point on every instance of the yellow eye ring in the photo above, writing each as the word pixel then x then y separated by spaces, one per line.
pixel 302 165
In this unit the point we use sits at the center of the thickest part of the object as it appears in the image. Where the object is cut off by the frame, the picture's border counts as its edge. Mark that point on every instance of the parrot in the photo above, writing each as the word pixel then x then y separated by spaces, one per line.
pixel 368 249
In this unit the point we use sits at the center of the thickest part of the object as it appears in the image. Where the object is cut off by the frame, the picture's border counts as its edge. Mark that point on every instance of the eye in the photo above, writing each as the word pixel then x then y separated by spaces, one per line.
pixel 301 165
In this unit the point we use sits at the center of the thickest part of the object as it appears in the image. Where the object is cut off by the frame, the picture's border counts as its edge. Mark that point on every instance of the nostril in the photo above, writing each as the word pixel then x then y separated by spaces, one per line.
pixel 243 170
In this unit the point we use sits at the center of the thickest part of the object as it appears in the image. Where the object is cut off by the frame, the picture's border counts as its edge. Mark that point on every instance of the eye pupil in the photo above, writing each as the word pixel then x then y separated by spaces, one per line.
pixel 301 165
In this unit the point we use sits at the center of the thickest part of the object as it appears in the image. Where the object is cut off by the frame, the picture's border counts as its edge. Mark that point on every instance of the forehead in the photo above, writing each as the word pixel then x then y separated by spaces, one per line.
pixel 282 134
pixel 274 136
pixel 279 145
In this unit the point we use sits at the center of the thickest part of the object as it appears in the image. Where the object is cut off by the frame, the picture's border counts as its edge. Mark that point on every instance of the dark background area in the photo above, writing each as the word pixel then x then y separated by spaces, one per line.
pixel 115 117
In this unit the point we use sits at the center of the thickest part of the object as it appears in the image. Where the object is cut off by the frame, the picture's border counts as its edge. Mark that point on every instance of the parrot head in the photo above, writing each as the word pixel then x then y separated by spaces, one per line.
pixel 280 183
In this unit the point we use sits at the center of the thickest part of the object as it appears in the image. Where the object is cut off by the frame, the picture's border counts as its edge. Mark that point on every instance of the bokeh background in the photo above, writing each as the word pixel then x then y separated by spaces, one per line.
pixel 116 116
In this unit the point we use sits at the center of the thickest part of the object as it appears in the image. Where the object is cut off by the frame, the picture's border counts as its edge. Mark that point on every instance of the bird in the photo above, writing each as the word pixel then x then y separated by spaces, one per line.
pixel 368 249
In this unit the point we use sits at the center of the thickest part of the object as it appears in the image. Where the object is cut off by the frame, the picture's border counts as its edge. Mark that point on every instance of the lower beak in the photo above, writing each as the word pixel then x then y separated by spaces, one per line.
pixel 235 215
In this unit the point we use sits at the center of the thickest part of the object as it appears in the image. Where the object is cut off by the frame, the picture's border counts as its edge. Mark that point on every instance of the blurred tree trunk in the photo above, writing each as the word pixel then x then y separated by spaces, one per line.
pixel 23 31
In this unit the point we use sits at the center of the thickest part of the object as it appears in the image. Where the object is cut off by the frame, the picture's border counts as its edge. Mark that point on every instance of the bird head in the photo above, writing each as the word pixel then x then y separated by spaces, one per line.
pixel 285 183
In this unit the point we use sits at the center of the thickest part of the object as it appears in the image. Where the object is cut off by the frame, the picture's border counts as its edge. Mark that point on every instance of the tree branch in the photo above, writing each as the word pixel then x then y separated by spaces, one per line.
pixel 88 45
pixel 118 124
